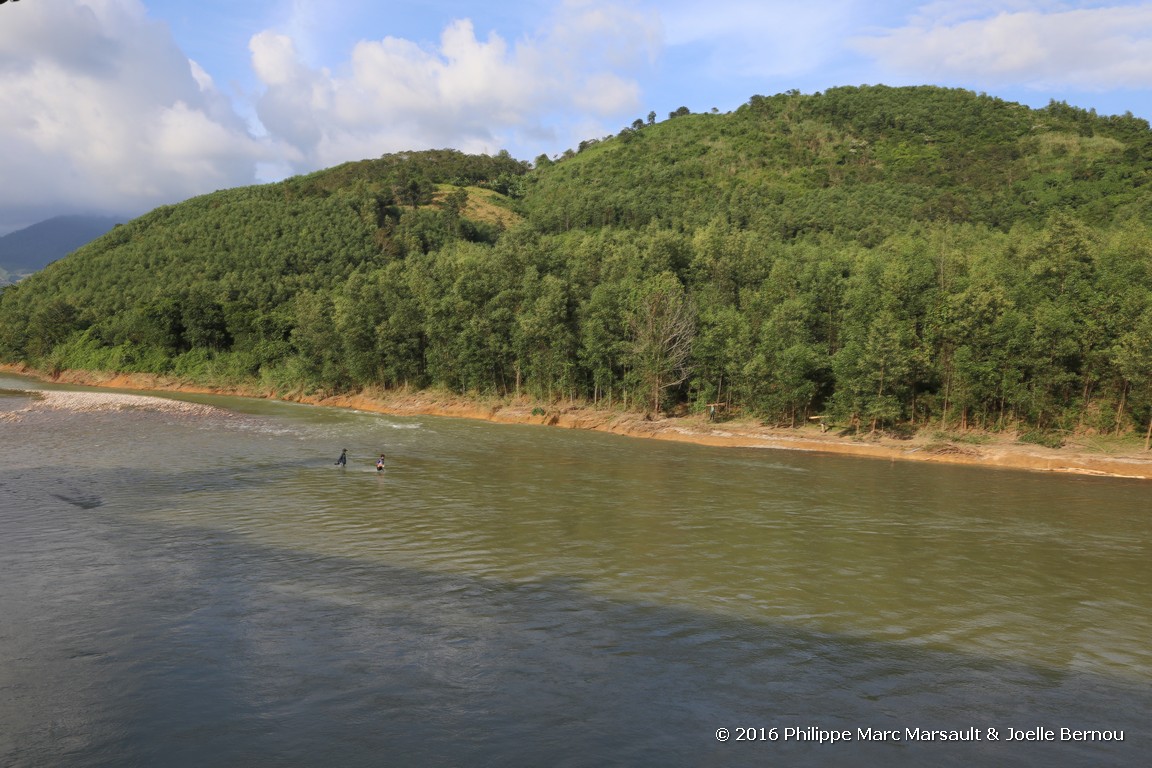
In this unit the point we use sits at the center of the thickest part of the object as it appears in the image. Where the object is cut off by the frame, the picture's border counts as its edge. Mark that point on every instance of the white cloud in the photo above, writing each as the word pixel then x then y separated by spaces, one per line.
pixel 473 93
pixel 1040 45
pixel 105 113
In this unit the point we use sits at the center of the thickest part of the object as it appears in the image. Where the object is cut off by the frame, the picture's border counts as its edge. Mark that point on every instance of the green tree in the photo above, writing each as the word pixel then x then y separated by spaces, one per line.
pixel 318 342
pixel 603 328
pixel 785 368
pixel 720 353
pixel 544 339
pixel 1132 355
pixel 874 374
pixel 204 322
pixel 50 324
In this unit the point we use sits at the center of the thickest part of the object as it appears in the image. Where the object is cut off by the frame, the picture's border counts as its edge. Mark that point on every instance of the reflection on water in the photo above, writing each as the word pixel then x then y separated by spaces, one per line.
pixel 193 588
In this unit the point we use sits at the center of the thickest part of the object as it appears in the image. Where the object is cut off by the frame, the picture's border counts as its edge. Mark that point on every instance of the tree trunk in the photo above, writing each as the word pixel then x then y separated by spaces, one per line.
pixel 1120 408
pixel 1084 403
pixel 947 397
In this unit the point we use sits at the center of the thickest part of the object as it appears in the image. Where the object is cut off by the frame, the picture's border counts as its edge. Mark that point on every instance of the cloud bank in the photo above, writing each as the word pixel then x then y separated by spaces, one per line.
pixel 105 114
pixel 473 93
pixel 1039 45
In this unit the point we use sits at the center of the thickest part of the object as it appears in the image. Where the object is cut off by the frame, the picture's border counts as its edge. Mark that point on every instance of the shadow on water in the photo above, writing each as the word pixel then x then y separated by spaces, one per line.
pixel 156 644
pixel 83 502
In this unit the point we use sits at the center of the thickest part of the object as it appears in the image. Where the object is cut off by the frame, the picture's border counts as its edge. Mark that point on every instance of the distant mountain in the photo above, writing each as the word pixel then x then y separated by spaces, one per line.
pixel 33 248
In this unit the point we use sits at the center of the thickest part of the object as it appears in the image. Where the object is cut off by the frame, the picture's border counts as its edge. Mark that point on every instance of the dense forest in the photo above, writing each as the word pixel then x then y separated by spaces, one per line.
pixel 884 257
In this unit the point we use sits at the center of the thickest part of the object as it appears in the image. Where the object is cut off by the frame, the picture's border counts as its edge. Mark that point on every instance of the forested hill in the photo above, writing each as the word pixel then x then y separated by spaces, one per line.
pixel 27 250
pixel 883 256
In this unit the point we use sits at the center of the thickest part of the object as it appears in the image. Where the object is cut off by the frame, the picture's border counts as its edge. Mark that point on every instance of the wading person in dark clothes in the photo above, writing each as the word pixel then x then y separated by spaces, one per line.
pixel 343 460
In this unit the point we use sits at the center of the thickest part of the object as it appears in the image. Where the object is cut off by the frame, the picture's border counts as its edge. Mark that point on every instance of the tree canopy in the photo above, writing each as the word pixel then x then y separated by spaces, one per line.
pixel 883 255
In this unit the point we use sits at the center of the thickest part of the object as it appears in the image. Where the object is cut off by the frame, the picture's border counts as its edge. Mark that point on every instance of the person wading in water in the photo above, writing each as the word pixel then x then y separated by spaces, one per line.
pixel 343 460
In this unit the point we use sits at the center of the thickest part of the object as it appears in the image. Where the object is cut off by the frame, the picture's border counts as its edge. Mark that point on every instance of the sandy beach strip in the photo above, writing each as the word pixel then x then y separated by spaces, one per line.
pixel 89 402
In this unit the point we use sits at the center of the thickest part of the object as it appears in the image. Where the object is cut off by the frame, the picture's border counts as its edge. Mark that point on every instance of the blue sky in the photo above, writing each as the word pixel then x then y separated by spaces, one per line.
pixel 116 106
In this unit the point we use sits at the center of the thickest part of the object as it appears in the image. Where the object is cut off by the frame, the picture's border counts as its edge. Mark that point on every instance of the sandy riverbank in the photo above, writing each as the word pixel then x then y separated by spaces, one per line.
pixel 1126 461
pixel 98 402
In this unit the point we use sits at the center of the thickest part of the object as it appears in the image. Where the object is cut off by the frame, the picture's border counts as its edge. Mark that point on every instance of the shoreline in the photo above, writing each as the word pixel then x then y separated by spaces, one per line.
pixel 998 452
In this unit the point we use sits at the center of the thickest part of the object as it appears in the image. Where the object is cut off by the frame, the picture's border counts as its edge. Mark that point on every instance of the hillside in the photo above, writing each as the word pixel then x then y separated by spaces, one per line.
pixel 860 163
pixel 883 257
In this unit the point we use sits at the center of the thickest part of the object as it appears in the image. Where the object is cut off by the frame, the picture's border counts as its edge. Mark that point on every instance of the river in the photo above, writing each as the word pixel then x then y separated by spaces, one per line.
pixel 192 581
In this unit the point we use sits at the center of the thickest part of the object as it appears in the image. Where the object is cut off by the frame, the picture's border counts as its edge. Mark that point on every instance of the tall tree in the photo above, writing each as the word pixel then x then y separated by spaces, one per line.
pixel 663 327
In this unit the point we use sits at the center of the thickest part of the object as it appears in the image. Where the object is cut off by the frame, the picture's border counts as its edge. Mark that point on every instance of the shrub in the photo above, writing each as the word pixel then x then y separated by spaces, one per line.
pixel 1038 437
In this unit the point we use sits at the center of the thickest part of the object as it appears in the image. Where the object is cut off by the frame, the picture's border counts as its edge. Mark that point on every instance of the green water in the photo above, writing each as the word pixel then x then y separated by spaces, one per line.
pixel 209 588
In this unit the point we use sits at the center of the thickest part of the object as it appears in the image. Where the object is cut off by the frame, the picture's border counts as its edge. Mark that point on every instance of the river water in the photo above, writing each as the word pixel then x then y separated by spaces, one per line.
pixel 193 582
